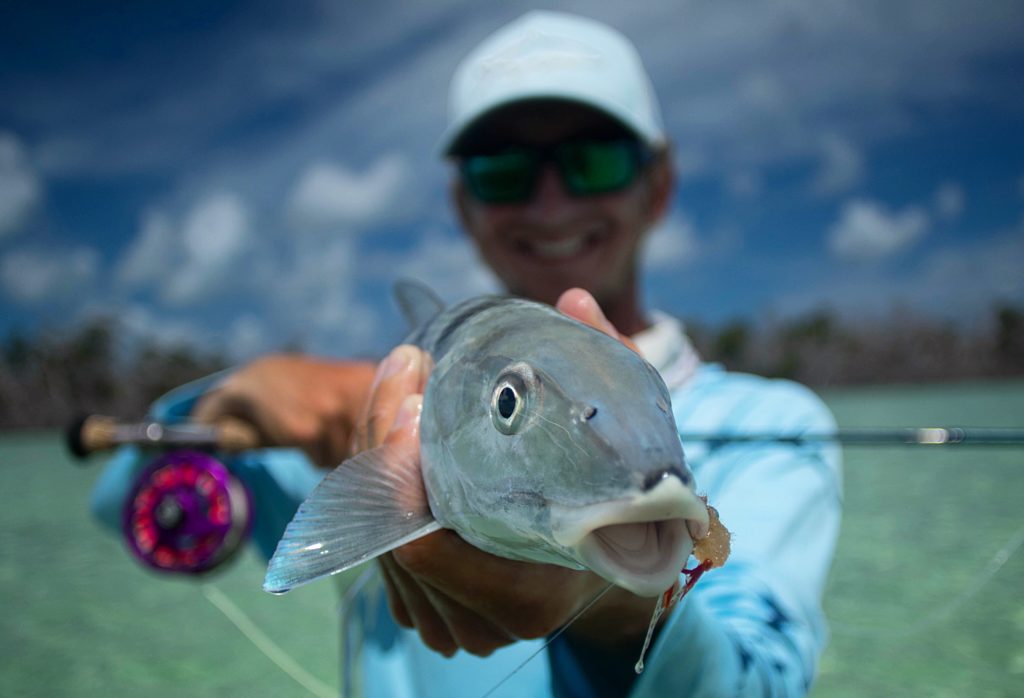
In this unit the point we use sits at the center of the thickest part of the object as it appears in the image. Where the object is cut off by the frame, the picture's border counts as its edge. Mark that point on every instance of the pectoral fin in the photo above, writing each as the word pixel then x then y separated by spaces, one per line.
pixel 368 505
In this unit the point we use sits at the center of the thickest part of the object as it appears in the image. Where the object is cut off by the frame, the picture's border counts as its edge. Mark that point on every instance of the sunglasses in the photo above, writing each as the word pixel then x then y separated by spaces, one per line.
pixel 587 168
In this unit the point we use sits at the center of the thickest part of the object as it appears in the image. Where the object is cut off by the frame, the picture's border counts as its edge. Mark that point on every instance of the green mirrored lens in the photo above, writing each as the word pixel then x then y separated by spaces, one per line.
pixel 594 168
pixel 505 177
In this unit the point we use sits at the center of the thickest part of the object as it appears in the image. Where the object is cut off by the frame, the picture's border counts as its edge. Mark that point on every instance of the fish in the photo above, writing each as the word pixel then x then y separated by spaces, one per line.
pixel 541 439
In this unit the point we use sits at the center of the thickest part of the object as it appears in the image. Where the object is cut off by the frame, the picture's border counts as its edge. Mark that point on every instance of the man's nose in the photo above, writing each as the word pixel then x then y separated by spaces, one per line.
pixel 550 196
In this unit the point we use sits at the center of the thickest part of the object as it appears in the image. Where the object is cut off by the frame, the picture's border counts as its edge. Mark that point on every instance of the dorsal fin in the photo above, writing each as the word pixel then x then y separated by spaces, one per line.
pixel 417 302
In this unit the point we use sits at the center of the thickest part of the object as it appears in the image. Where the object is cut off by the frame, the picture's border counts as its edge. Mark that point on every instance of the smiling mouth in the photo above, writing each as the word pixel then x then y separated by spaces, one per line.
pixel 561 249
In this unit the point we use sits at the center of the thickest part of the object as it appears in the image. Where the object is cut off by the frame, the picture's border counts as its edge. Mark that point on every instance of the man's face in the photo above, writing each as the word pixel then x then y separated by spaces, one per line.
pixel 555 241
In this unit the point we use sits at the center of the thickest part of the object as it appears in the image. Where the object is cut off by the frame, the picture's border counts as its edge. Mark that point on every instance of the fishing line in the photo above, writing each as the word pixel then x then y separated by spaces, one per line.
pixel 551 639
pixel 1000 558
pixel 265 645
pixel 872 436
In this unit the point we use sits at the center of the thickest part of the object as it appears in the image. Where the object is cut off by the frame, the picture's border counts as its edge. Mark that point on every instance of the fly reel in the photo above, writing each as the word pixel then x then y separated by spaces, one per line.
pixel 185 512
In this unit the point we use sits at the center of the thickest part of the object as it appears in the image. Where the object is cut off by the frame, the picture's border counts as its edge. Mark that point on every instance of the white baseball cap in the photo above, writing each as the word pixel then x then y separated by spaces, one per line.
pixel 553 55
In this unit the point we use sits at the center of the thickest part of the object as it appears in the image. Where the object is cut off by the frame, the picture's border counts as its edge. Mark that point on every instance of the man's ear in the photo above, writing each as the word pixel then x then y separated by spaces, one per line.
pixel 662 178
pixel 461 203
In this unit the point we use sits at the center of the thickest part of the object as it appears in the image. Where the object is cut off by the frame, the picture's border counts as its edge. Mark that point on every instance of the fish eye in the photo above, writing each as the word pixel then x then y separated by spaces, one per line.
pixel 510 398
pixel 507 401
pixel 506 407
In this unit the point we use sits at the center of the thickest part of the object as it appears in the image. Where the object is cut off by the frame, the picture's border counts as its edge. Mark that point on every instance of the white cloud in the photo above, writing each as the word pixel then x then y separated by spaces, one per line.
pixel 153 256
pixel 191 261
pixel 313 300
pixel 949 201
pixel 447 263
pixel 20 189
pixel 842 166
pixel 214 238
pixel 866 230
pixel 328 194
pixel 144 322
pixel 40 275
pixel 671 244
pixel 960 282
pixel 216 230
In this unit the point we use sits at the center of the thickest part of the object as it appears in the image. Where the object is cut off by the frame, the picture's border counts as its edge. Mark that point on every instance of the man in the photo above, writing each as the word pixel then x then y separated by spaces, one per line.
pixel 562 169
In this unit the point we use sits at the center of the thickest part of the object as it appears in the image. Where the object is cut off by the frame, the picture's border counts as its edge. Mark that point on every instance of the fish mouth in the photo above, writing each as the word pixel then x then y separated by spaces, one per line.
pixel 640 543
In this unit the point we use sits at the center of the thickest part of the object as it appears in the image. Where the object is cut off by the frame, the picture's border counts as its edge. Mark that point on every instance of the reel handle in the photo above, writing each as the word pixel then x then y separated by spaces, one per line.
pixel 96 433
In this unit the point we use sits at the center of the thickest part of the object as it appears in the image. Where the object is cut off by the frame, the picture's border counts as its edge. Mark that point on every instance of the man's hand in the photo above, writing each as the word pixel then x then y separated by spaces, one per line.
pixel 295 401
pixel 458 596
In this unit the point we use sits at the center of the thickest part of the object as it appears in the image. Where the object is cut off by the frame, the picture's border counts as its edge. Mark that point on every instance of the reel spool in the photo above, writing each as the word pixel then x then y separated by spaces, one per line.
pixel 186 513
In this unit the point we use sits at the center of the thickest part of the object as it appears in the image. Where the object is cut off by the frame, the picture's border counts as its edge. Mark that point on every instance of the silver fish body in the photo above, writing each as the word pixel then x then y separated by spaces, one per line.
pixel 541 439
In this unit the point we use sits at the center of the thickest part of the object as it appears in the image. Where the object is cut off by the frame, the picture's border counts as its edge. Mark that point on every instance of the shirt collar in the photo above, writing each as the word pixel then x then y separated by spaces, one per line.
pixel 665 345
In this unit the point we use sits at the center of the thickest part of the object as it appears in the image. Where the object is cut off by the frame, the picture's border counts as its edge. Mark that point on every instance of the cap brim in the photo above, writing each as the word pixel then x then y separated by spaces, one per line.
pixel 455 135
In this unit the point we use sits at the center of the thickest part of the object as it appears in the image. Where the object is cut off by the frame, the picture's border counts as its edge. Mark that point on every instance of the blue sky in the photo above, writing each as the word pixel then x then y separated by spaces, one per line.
pixel 246 176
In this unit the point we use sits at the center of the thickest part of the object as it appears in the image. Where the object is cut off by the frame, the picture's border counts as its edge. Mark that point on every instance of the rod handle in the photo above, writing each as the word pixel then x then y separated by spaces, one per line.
pixel 236 435
pixel 96 433
pixel 90 434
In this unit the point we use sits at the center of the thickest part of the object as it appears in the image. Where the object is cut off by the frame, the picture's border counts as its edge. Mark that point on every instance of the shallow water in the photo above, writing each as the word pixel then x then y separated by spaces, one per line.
pixel 921 526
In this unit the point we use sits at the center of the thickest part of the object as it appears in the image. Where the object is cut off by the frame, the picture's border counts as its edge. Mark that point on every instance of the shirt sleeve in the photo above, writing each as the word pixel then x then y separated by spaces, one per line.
pixel 755 627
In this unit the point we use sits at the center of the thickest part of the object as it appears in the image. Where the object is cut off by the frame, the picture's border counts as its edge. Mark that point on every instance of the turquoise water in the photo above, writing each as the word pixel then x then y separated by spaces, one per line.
pixel 915 607
pixel 82 619
pixel 920 600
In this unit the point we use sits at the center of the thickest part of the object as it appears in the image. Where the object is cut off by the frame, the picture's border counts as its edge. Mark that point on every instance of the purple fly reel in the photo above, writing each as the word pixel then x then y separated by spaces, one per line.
pixel 186 513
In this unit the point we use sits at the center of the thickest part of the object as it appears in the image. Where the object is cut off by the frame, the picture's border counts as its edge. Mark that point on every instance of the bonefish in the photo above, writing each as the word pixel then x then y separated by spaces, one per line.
pixel 541 439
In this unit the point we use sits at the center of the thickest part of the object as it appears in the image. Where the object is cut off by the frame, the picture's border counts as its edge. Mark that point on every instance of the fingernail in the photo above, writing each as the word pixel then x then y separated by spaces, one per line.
pixel 400 358
pixel 599 318
pixel 408 412
pixel 609 328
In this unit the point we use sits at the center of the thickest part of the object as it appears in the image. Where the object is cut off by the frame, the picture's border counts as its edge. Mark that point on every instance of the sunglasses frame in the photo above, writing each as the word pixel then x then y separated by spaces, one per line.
pixel 560 155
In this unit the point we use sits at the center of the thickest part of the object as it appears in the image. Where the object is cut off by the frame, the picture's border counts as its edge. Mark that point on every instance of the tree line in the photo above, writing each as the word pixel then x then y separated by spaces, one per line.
pixel 52 377
pixel 820 349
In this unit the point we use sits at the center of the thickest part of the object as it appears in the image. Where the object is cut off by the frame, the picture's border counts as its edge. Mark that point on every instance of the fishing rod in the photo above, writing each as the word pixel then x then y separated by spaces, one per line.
pixel 901 436
pixel 185 511
pixel 97 433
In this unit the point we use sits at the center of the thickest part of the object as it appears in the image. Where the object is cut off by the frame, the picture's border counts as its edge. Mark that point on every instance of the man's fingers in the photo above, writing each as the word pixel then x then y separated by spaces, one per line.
pixel 489 585
pixel 444 623
pixel 580 305
pixel 424 617
pixel 397 376
pixel 471 631
pixel 209 407
pixel 395 602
